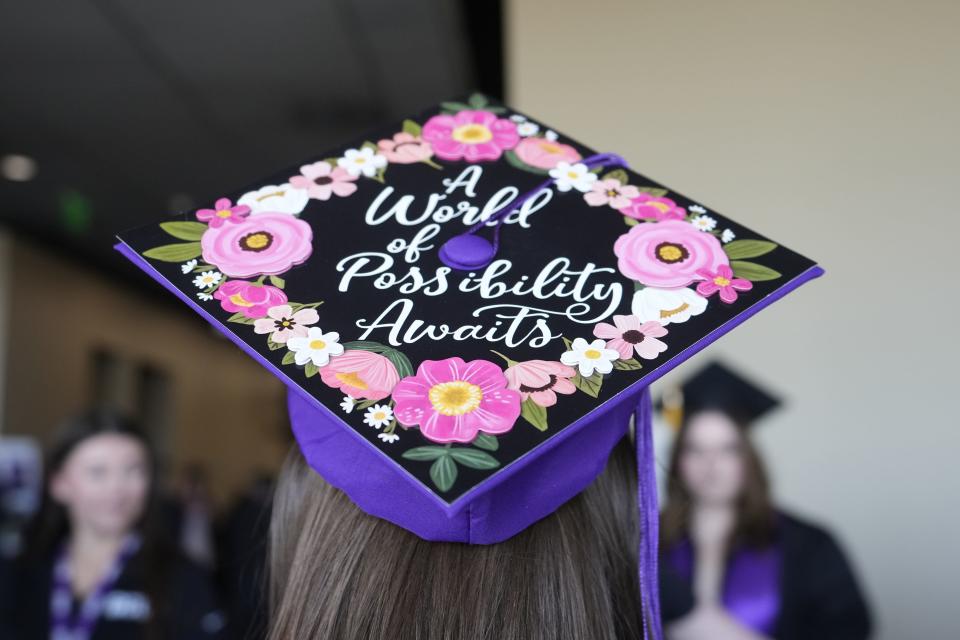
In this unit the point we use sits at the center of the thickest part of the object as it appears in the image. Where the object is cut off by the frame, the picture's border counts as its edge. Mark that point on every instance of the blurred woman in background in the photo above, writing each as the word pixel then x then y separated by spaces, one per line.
pixel 755 572
pixel 96 567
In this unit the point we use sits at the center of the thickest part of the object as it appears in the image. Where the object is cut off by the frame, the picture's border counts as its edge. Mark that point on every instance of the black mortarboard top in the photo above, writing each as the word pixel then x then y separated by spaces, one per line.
pixel 717 387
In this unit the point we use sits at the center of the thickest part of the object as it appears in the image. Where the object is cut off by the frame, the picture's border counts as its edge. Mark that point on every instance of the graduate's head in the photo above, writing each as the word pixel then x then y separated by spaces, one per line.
pixel 715 459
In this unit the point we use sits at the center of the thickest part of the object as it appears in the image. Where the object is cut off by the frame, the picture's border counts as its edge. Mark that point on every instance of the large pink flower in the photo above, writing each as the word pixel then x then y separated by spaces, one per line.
pixel 545 154
pixel 540 380
pixel 612 192
pixel 722 280
pixel 251 299
pixel 223 211
pixel 628 334
pixel 405 148
pixel 282 323
pixel 647 207
pixel 452 400
pixel 667 254
pixel 269 244
pixel 470 135
pixel 321 180
pixel 361 374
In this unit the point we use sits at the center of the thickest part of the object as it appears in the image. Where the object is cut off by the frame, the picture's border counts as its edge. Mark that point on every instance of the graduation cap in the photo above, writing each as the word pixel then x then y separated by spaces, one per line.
pixel 468 308
pixel 716 387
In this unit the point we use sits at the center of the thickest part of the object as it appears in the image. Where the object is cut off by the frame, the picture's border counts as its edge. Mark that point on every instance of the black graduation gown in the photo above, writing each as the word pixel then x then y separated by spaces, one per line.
pixel 191 612
pixel 819 595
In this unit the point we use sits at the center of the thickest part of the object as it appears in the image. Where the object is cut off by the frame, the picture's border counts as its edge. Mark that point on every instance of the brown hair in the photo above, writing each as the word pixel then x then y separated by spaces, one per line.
pixel 338 573
pixel 756 518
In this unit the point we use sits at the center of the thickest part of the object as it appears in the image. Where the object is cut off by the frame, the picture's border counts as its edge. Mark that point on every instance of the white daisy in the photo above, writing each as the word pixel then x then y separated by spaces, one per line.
pixel 527 129
pixel 315 347
pixel 518 118
pixel 347 404
pixel 389 437
pixel 572 176
pixel 188 266
pixel 590 357
pixel 667 306
pixel 379 415
pixel 727 236
pixel 206 297
pixel 207 279
pixel 550 135
pixel 697 208
pixel 362 161
pixel 704 223
pixel 275 198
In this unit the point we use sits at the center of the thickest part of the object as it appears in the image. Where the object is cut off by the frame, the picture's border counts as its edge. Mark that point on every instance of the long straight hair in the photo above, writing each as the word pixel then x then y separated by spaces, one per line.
pixel 337 573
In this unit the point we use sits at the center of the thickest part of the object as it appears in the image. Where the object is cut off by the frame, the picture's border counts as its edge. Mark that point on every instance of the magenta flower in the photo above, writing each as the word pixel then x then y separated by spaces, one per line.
pixel 545 154
pixel 610 192
pixel 223 211
pixel 667 254
pixel 405 148
pixel 361 374
pixel 321 180
pixel 251 299
pixel 647 207
pixel 470 135
pixel 282 323
pixel 453 400
pixel 629 334
pixel 268 244
pixel 540 380
pixel 722 280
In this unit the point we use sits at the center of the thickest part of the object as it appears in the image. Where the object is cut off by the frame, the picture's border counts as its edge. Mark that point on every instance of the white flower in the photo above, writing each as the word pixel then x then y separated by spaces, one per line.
pixel 551 135
pixel 347 404
pixel 590 357
pixel 207 279
pixel 188 266
pixel 704 223
pixel 379 415
pixel 365 161
pixel 572 176
pixel 667 305
pixel 697 208
pixel 727 236
pixel 518 118
pixel 315 347
pixel 388 437
pixel 527 129
pixel 274 198
pixel 206 297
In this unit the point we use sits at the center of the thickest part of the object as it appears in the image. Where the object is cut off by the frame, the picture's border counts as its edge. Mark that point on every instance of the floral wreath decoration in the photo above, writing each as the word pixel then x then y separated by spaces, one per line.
pixel 676 257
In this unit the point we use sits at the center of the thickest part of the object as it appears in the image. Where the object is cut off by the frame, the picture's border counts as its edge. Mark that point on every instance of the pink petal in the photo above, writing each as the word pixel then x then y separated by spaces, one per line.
pixel 300 182
pixel 343 189
pixel 545 398
pixel 483 151
pixel 707 288
pixel 621 346
pixel 728 294
pixel 320 191
pixel 653 329
pixel 564 386
pixel 280 336
pixel 626 323
pixel 606 331
pixel 222 203
pixel 741 284
pixel 595 198
pixel 263 325
pixel 280 311
pixel 448 149
pixel 306 316
pixel 724 271
pixel 629 191
pixel 650 348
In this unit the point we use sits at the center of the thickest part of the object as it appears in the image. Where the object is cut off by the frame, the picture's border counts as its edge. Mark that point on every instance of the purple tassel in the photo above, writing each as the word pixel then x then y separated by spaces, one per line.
pixel 647 556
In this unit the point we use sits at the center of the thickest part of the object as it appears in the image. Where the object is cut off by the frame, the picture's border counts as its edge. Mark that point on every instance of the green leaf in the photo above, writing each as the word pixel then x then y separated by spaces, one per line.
pixel 617 174
pixel 486 441
pixel 739 249
pixel 273 346
pixel 278 282
pixel 400 361
pixel 296 306
pixel 627 365
pixel 179 252
pixel 203 267
pixel 443 472
pixel 455 106
pixel 366 404
pixel 239 318
pixel 424 453
pixel 288 358
pixel 184 230
pixel 534 414
pixel 369 145
pixel 514 161
pixel 411 127
pixel 752 271
pixel 630 222
pixel 478 101
pixel 331 161
pixel 367 345
pixel 567 343
pixel 474 458
pixel 310 369
pixel 591 385
pixel 656 192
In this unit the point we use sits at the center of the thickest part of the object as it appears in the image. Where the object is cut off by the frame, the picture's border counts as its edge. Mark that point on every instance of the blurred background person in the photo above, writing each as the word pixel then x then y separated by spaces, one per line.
pixel 755 571
pixel 96 566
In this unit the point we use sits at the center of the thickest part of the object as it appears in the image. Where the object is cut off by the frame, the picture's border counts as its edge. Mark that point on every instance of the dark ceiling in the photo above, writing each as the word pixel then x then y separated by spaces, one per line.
pixel 135 110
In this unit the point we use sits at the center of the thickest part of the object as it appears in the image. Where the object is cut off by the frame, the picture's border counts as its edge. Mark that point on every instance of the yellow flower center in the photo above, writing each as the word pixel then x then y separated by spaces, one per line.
pixel 224 213
pixel 257 240
pixel 662 207
pixel 670 252
pixel 379 415
pixel 666 313
pixel 318 345
pixel 593 354
pixel 721 281
pixel 359 159
pixel 239 300
pixel 550 147
pixel 572 174
pixel 472 134
pixel 455 398
pixel 351 378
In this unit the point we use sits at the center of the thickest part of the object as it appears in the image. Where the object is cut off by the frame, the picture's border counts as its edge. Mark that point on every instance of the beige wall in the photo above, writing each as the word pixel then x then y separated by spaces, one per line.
pixel 831 126
pixel 225 411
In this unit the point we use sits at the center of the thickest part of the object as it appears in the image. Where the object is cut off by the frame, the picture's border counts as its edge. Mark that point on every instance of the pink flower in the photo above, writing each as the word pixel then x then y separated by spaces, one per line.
pixel 223 211
pixel 282 323
pixel 470 135
pixel 452 400
pixel 540 380
pixel 321 180
pixel 628 334
pixel 361 374
pixel 405 148
pixel 269 244
pixel 722 280
pixel 611 192
pixel 647 207
pixel 667 254
pixel 545 154
pixel 251 299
